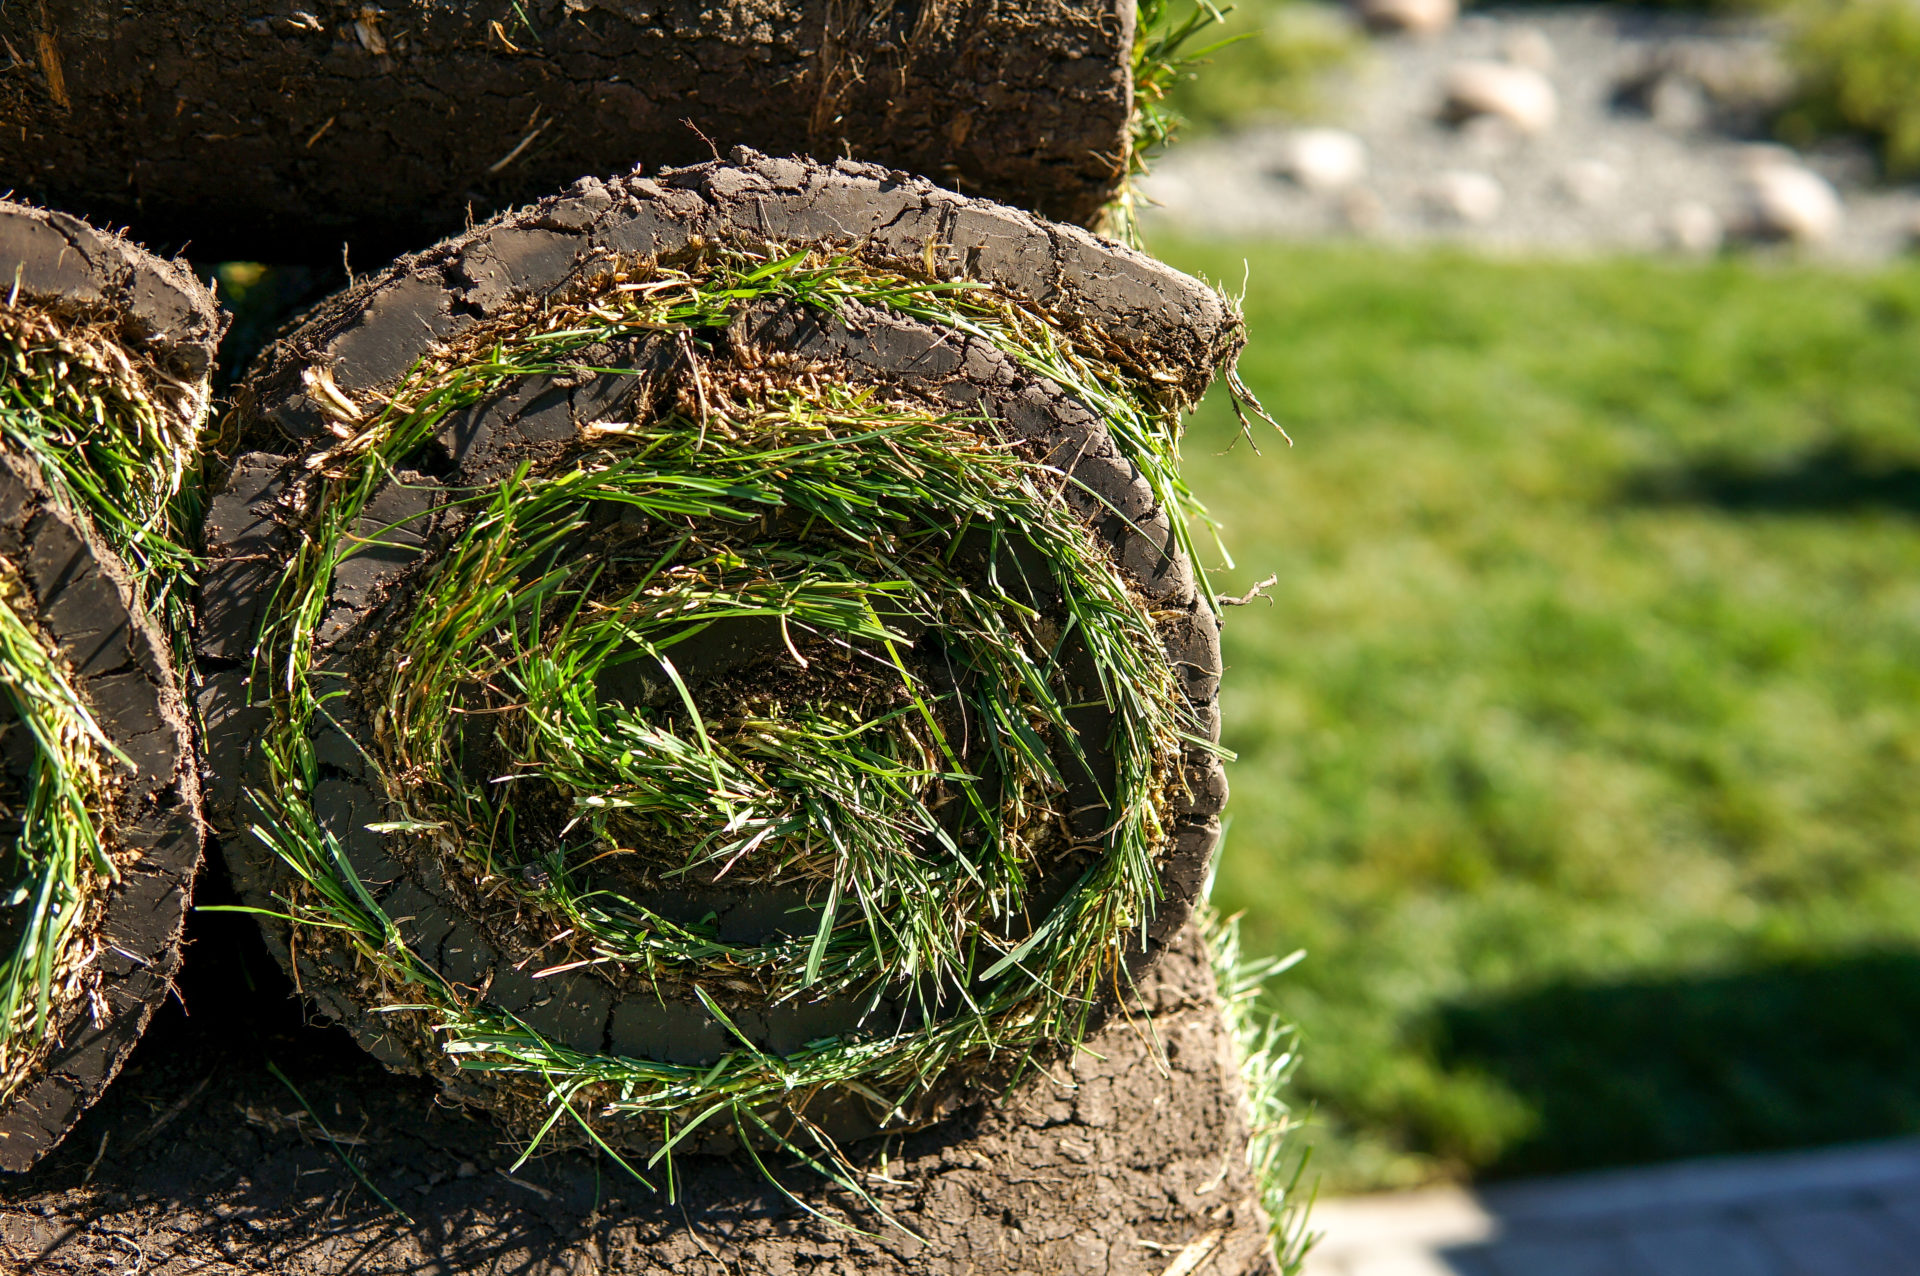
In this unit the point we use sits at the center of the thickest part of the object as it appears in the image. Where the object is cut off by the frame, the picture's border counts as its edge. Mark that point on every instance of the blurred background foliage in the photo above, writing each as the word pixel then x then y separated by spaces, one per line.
pixel 1264 57
pixel 1859 68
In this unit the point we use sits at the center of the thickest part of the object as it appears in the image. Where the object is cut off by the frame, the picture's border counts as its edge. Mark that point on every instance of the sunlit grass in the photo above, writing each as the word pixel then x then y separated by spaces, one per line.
pixel 1594 657
pixel 57 868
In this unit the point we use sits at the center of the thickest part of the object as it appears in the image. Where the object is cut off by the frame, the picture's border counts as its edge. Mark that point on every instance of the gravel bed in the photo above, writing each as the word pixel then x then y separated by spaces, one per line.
pixel 1659 127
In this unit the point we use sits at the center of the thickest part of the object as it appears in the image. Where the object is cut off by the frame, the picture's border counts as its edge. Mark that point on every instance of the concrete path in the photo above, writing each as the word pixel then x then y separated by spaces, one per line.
pixel 1849 1211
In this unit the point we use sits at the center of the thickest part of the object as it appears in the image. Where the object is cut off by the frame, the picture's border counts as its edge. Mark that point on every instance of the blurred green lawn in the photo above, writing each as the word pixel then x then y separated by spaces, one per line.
pixel 1580 744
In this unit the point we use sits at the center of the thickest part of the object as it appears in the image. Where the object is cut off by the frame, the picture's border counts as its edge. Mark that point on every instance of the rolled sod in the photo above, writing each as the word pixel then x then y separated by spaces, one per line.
pixel 1118 1161
pixel 275 133
pixel 710 661
pixel 105 352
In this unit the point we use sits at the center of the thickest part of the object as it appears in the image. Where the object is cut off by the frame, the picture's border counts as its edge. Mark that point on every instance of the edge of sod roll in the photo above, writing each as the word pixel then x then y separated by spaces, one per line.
pixel 107 355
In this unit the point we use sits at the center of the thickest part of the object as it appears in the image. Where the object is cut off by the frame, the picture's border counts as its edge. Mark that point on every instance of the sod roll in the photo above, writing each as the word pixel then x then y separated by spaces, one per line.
pixel 105 353
pixel 712 660
pixel 274 132
pixel 1119 1161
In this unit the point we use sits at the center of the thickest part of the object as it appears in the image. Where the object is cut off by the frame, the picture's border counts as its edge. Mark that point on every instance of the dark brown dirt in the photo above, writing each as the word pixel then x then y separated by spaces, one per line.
pixel 200 1161
pixel 65 266
pixel 277 131
pixel 84 602
pixel 372 334
pixel 122 668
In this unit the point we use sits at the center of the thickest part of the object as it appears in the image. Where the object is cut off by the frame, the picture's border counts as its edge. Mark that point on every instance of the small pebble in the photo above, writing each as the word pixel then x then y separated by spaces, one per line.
pixel 1466 196
pixel 1786 200
pixel 1680 103
pixel 1414 17
pixel 1324 159
pixel 1589 182
pixel 1519 95
pixel 1362 211
pixel 1695 228
pixel 1528 47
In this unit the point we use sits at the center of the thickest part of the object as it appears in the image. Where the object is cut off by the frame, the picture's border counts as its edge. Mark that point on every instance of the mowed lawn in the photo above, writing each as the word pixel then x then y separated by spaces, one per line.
pixel 1579 745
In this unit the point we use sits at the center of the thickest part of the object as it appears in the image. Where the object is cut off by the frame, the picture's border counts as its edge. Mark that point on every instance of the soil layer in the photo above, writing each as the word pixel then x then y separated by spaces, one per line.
pixel 62 265
pixel 120 664
pixel 202 1161
pixel 274 132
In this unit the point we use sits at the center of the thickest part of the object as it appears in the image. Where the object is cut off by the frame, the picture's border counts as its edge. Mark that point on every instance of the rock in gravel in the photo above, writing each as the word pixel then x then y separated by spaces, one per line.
pixel 1787 200
pixel 1680 103
pixel 1519 95
pixel 1415 17
pixel 1529 47
pixel 1589 182
pixel 1324 159
pixel 1363 212
pixel 1466 196
pixel 1693 227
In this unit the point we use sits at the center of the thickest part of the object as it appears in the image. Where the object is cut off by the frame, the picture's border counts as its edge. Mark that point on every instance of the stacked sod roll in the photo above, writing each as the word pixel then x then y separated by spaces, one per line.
pixel 1125 1158
pixel 713 660
pixel 275 132
pixel 105 353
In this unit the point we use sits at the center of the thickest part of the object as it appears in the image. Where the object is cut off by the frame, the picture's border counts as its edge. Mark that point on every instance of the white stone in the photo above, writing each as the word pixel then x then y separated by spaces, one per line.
pixel 1468 196
pixel 1528 46
pixel 1415 17
pixel 1362 211
pixel 1680 103
pixel 1517 94
pixel 1589 182
pixel 1695 228
pixel 1786 200
pixel 1323 159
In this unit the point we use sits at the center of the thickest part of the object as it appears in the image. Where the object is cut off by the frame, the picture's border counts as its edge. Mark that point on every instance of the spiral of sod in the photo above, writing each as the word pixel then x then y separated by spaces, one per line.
pixel 899 758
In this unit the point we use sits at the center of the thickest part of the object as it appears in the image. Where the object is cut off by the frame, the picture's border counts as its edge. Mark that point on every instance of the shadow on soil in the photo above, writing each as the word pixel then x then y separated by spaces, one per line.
pixel 1836 478
pixel 199 1155
pixel 1792 1054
